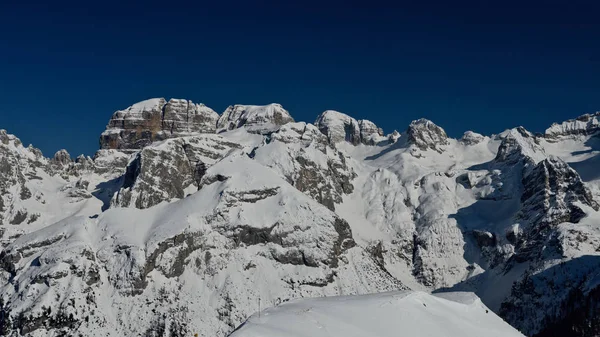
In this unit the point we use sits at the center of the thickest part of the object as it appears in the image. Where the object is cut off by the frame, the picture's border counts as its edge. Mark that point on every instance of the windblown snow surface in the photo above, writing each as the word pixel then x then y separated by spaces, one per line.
pixel 390 314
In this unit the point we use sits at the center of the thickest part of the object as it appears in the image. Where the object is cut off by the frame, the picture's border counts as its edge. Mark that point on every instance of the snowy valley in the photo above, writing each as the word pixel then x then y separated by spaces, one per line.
pixel 185 220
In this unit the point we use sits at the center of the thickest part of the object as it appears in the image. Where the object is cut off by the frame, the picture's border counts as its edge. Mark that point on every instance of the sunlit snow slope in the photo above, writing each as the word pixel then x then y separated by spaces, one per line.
pixel 391 314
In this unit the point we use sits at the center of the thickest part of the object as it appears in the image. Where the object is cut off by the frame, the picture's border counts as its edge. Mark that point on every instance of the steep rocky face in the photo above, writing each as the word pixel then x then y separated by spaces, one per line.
pixel 301 154
pixel 133 240
pixel 62 158
pixel 517 145
pixel 584 125
pixel 256 118
pixel 106 162
pixel 155 175
pixel 560 299
pixel 369 132
pixel 425 135
pixel 339 127
pixel 553 193
pixel 152 270
pixel 169 170
pixel 19 167
pixel 156 119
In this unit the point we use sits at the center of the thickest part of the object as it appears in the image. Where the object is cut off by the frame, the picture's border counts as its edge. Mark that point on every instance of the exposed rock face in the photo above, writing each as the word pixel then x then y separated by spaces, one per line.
pixel 62 158
pixel 552 189
pixel 18 167
pixel 517 145
pixel 562 299
pixel 302 155
pixel 559 290
pixel 584 125
pixel 254 206
pixel 256 118
pixel 223 237
pixel 425 135
pixel 156 119
pixel 36 191
pixel 369 132
pixel 339 127
pixel 553 193
pixel 164 171
pixel 393 137
pixel 155 175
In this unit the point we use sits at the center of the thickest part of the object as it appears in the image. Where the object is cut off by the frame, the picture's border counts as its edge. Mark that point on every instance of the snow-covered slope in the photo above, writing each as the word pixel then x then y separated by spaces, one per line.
pixel 387 314
pixel 164 229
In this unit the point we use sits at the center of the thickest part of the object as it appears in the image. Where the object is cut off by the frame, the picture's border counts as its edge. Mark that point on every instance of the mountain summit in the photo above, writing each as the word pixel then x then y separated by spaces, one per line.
pixel 186 221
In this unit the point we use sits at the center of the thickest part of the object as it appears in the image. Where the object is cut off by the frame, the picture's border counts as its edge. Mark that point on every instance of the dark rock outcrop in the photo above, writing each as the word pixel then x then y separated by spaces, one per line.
pixel 256 118
pixel 62 158
pixel 156 119
pixel 164 171
pixel 425 135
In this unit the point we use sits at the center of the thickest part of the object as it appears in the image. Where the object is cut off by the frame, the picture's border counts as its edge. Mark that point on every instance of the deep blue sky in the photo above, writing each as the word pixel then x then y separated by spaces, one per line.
pixel 481 65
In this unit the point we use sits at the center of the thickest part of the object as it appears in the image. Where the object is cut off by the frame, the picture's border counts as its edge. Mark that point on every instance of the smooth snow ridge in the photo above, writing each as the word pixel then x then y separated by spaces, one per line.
pixel 400 313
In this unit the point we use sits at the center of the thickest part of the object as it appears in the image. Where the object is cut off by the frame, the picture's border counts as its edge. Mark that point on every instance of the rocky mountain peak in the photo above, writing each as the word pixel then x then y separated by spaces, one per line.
pixel 156 119
pixel 518 144
pixel 169 212
pixel 584 125
pixel 552 188
pixel 256 118
pixel 4 136
pixel 424 134
pixel 553 193
pixel 62 158
pixel 19 166
pixel 369 132
pixel 6 139
pixel 471 138
pixel 339 127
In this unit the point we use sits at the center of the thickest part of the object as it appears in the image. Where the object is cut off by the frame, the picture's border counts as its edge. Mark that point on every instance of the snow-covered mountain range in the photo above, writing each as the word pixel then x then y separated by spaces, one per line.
pixel 184 220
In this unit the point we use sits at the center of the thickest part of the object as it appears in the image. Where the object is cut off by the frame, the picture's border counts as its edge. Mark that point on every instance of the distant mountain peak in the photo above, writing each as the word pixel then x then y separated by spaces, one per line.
pixel 339 127
pixel 258 118
pixel 156 119
pixel 425 135
pixel 583 125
